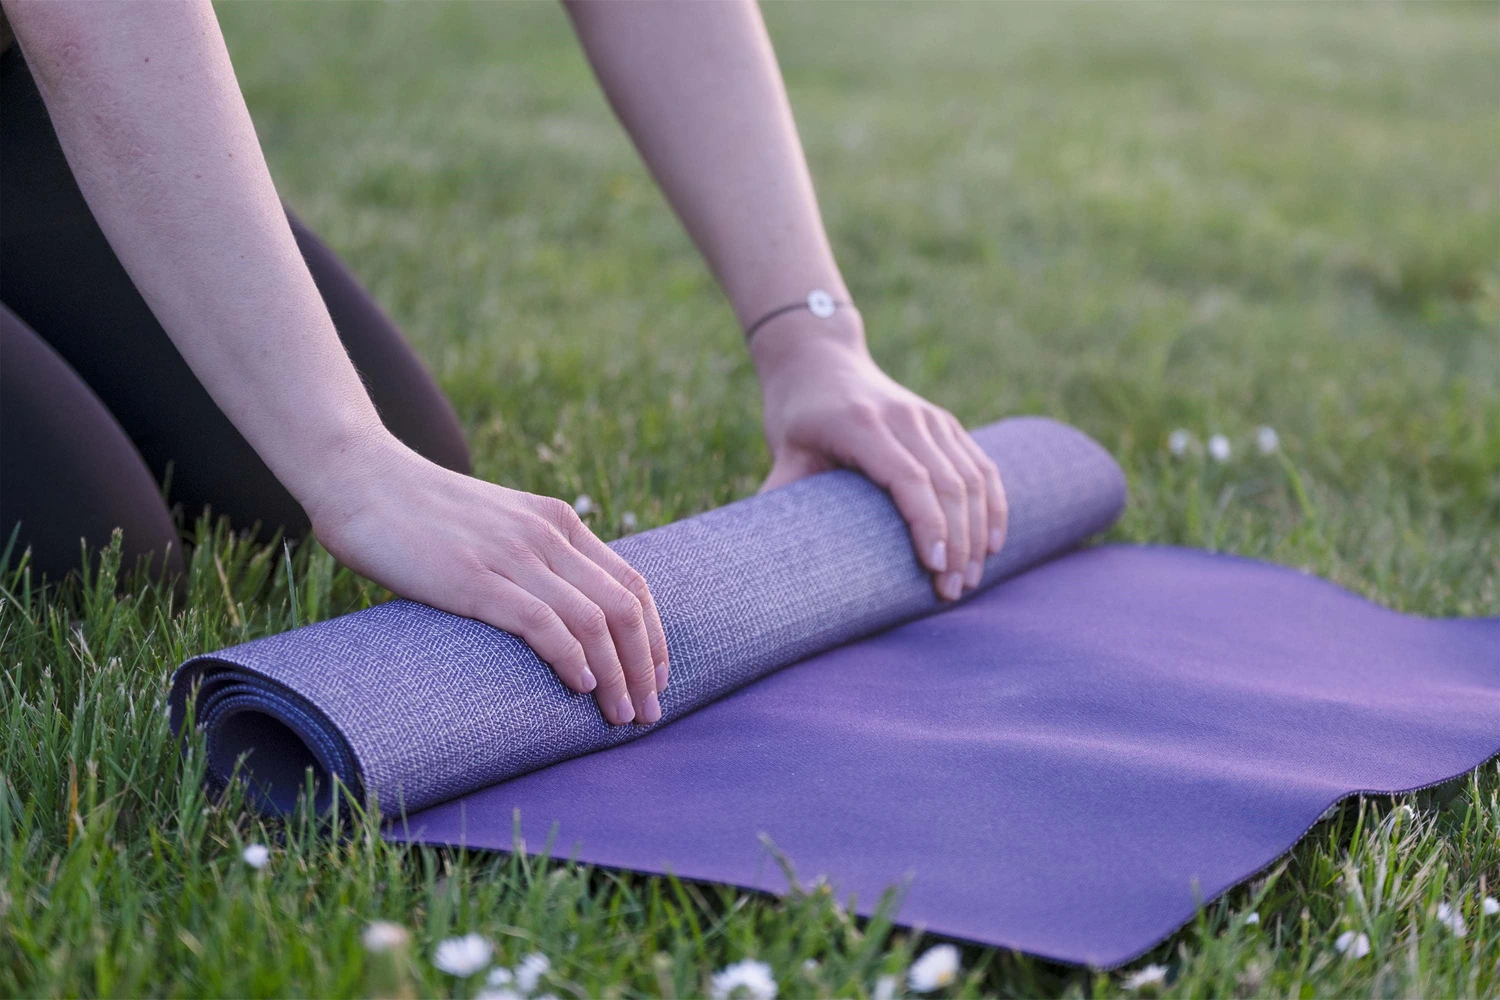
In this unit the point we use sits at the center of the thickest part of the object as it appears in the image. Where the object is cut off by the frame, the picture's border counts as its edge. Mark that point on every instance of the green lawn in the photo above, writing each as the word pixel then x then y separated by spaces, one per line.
pixel 1132 218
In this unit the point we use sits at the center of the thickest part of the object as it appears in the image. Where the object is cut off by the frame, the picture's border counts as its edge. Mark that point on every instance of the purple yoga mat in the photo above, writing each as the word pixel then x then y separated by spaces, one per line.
pixel 1066 764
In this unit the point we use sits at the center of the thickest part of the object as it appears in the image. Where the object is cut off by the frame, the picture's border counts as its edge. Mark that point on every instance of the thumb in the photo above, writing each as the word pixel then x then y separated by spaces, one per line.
pixel 791 465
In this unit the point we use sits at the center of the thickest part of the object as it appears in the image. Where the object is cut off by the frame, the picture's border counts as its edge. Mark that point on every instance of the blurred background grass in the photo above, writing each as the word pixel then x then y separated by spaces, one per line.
pixel 1134 218
pixel 1129 217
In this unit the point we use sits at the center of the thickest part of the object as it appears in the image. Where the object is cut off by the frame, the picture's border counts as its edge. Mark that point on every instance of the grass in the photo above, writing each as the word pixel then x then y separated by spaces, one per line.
pixel 1133 218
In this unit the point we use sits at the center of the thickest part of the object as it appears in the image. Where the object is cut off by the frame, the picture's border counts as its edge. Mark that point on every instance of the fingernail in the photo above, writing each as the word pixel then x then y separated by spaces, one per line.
pixel 953 585
pixel 997 539
pixel 623 711
pixel 975 572
pixel 651 710
pixel 661 677
pixel 940 556
pixel 588 683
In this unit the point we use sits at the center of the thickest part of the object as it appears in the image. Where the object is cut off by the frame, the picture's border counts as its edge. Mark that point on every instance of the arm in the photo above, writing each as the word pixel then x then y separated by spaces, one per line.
pixel 698 89
pixel 146 106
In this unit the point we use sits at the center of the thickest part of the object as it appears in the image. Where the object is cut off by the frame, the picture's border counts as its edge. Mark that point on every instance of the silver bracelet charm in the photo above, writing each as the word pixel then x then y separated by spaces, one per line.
pixel 818 302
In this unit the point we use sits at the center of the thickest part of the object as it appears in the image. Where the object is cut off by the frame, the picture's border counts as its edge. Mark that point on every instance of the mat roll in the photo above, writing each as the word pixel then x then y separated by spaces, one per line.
pixel 417 707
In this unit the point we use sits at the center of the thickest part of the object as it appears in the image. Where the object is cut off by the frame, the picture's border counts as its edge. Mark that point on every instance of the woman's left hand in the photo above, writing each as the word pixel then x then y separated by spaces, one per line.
pixel 827 404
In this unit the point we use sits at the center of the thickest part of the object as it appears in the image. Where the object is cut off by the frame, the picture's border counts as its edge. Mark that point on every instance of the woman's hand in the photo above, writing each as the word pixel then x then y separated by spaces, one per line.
pixel 519 562
pixel 827 404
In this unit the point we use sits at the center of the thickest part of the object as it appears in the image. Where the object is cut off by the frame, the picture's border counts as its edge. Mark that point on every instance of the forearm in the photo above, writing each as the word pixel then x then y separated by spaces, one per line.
pixel 697 87
pixel 146 106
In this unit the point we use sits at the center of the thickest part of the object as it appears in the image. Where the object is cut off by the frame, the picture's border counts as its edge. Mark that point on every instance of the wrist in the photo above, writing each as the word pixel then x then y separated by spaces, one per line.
pixel 348 473
pixel 791 342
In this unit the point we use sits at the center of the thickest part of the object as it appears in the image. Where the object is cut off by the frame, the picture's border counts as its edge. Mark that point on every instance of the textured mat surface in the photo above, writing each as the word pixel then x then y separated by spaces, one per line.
pixel 418 706
pixel 1063 765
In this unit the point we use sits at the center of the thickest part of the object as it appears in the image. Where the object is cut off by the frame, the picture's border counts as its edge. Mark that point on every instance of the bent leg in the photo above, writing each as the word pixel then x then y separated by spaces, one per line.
pixel 67 470
pixel 61 277
pixel 406 395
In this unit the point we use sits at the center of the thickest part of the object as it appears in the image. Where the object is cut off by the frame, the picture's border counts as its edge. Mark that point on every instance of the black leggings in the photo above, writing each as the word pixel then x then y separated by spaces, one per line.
pixel 97 408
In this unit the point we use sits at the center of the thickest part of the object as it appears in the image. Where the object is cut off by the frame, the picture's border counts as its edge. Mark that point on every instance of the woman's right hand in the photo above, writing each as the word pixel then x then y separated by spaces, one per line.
pixel 520 562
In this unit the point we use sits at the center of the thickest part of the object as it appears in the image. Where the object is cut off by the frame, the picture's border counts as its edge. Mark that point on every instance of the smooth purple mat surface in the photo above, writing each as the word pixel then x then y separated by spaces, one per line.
pixel 1065 764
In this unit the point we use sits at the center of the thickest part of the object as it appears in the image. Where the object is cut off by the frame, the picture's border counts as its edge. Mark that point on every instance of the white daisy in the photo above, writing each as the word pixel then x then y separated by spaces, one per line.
pixel 1150 976
pixel 499 976
pixel 627 520
pixel 1267 440
pixel 583 505
pixel 1252 917
pixel 256 855
pixel 1488 906
pixel 462 956
pixel 531 970
pixel 498 993
pixel 885 988
pixel 1452 919
pixel 382 935
pixel 747 978
pixel 1352 945
pixel 1178 442
pixel 1218 448
pixel 935 969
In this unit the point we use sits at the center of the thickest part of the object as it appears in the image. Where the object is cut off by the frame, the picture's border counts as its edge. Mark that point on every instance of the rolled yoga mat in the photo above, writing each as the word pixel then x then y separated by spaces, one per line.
pixel 1067 764
pixel 418 706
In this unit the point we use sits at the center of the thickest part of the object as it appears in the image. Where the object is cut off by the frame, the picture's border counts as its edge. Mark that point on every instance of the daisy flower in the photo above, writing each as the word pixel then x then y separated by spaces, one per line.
pixel 1218 448
pixel 1150 977
pixel 937 967
pixel 1178 442
pixel 531 970
pixel 748 978
pixel 1267 440
pixel 1352 945
pixel 256 855
pixel 462 956
pixel 1452 919
pixel 382 935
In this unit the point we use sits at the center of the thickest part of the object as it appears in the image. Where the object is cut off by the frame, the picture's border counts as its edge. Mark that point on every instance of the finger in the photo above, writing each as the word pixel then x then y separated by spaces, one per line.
pixel 503 604
pixel 627 624
pixel 994 489
pixel 589 626
pixel 910 428
pixel 885 460
pixel 587 543
pixel 938 424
